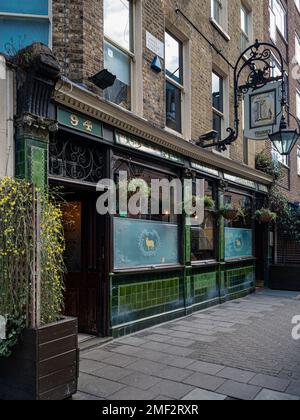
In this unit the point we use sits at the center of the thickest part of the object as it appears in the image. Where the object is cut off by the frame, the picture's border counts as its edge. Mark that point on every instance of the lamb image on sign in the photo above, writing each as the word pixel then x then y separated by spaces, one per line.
pixel 263 111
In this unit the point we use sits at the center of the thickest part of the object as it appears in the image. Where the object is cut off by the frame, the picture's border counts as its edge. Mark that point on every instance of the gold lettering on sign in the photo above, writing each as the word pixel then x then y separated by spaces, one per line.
pixel 74 120
pixel 88 125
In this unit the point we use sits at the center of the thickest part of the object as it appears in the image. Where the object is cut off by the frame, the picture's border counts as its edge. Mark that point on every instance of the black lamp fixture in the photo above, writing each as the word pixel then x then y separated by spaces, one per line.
pixel 104 79
pixel 285 139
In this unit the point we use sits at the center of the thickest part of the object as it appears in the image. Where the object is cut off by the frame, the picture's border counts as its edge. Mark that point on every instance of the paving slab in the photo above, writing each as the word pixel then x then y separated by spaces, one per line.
pixel 271 382
pixel 268 395
pixel 203 395
pixel 201 380
pixel 237 375
pixel 238 390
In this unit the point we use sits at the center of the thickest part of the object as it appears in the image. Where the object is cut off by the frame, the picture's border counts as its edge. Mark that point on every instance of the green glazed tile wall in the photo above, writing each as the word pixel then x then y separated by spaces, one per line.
pixel 205 287
pixel 240 279
pixel 131 302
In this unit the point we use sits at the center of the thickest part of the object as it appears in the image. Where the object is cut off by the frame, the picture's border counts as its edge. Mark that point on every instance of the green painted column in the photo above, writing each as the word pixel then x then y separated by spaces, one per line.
pixel 221 249
pixel 32 149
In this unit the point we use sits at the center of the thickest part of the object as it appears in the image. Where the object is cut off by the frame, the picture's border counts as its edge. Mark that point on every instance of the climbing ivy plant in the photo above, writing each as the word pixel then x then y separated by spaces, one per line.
pixel 18 247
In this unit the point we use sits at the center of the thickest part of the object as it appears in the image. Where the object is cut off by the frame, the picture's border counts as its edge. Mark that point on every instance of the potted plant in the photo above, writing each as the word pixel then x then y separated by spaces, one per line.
pixel 39 347
pixel 209 203
pixel 265 215
pixel 231 213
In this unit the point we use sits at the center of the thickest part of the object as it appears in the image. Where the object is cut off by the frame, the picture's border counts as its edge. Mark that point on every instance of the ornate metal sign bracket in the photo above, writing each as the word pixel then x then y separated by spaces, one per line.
pixel 257 59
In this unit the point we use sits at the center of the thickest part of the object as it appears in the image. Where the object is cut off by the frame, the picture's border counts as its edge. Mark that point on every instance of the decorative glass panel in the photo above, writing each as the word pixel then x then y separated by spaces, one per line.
pixel 118 21
pixel 75 159
pixel 238 243
pixel 19 33
pixel 140 243
pixel 173 104
pixel 29 7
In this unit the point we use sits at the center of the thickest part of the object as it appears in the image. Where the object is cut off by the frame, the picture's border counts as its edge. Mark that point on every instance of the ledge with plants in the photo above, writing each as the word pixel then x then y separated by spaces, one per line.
pixel 39 351
pixel 232 213
pixel 265 215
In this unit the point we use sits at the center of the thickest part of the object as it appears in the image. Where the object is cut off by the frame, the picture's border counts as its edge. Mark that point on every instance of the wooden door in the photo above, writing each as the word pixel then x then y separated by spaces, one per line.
pixel 83 262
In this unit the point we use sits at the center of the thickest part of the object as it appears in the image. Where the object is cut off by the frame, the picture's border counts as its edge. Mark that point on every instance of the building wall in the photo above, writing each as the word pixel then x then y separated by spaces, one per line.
pixel 6 120
pixel 290 183
pixel 78 44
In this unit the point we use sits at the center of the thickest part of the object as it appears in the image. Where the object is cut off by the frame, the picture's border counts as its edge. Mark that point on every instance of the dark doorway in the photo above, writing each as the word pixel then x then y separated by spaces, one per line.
pixel 261 253
pixel 84 234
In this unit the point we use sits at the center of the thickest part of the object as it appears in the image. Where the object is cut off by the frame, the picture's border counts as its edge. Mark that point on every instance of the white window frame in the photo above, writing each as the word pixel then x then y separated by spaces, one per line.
pixel 222 25
pixel 48 17
pixel 225 114
pixel 136 59
pixel 247 36
pixel 298 104
pixel 298 160
pixel 297 3
pixel 277 157
pixel 276 6
pixel 297 47
pixel 185 87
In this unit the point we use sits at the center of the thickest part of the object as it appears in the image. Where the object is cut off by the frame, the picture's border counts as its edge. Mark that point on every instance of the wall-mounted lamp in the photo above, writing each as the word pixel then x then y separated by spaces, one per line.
pixel 104 79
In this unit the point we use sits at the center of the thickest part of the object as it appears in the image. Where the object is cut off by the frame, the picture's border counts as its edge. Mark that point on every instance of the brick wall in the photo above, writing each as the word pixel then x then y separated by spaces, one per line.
pixel 78 45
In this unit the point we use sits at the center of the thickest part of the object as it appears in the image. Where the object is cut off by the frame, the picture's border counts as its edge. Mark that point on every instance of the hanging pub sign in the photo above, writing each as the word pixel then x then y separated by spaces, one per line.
pixel 262 114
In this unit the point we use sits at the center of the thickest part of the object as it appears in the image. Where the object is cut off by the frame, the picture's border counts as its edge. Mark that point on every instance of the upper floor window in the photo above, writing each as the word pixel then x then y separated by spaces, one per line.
pixel 245 28
pixel 22 23
pixel 118 49
pixel 174 82
pixel 298 160
pixel 278 18
pixel 297 3
pixel 218 103
pixel 297 48
pixel 277 157
pixel 298 104
pixel 218 12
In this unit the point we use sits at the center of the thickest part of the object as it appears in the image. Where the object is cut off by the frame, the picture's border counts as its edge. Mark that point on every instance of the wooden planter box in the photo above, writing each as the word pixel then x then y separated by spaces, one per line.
pixel 44 365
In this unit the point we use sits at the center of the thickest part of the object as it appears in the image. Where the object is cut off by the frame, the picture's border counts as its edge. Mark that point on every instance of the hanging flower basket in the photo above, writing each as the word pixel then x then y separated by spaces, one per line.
pixel 265 216
pixel 231 213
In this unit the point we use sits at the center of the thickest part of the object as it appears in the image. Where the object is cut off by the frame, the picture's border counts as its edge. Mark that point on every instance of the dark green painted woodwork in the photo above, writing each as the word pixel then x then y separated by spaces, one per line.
pixel 32 160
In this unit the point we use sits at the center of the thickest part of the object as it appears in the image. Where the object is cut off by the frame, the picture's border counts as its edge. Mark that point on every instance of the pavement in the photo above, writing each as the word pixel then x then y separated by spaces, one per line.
pixel 241 350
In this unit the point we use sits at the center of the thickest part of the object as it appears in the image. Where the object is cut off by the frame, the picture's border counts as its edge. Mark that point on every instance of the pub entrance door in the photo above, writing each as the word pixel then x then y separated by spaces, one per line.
pixel 84 261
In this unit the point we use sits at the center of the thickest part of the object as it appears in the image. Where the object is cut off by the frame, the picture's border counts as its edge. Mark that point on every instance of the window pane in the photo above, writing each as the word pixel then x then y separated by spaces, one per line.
pixel 117 21
pixel 118 63
pixel 173 105
pixel 244 203
pixel 35 7
pixel 203 236
pixel 173 58
pixel 217 11
pixel 280 16
pixel 244 20
pixel 217 92
pixel 19 33
pixel 217 124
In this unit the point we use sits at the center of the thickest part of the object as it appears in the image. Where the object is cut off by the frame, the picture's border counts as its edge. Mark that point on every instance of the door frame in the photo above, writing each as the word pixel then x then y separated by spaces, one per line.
pixel 103 292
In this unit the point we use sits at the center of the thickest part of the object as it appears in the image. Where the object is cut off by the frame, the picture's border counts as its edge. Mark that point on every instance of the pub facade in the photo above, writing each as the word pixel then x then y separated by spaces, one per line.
pixel 125 272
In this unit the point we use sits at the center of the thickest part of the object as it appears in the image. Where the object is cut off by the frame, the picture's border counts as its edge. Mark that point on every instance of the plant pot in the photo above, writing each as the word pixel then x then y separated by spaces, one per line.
pixel 44 365
pixel 266 218
pixel 230 214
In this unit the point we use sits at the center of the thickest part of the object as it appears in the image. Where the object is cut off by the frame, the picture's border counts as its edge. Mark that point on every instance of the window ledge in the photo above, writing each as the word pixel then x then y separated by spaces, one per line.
pixel 144 270
pixel 175 133
pixel 209 263
pixel 220 29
